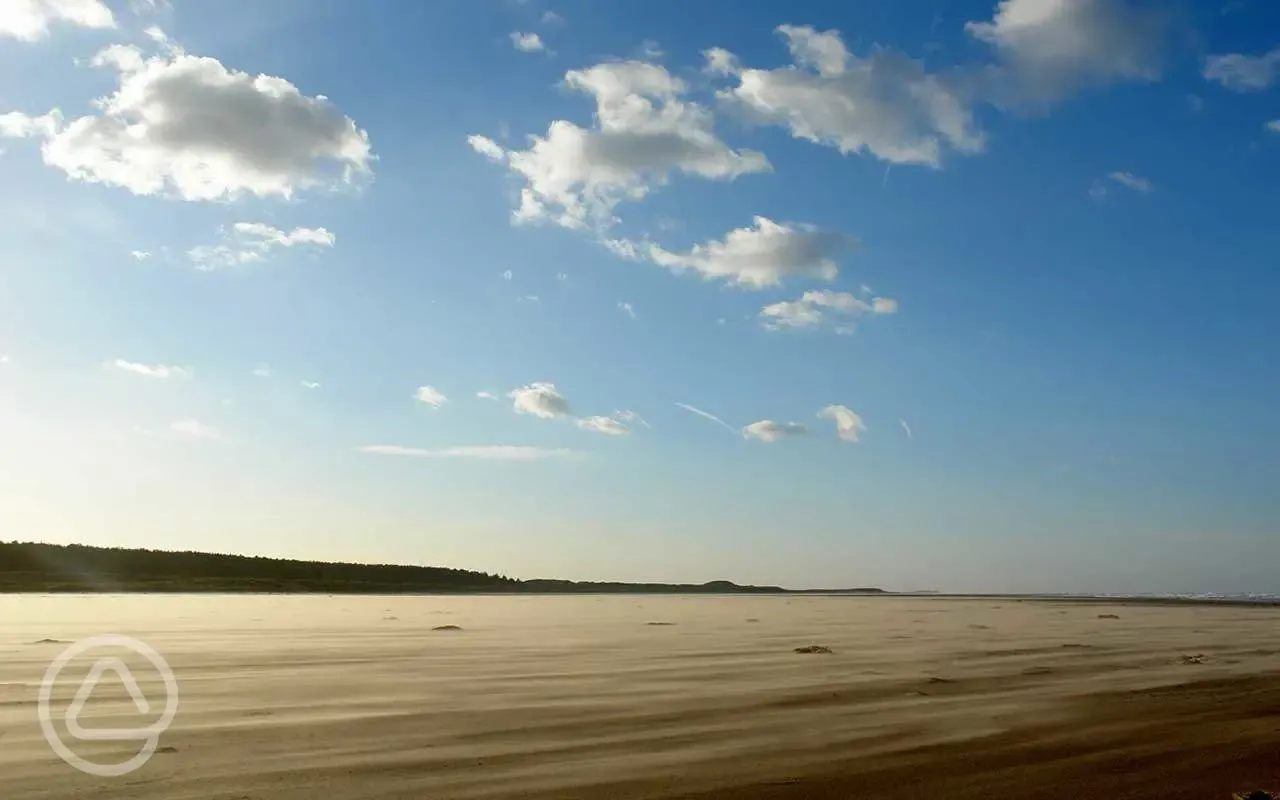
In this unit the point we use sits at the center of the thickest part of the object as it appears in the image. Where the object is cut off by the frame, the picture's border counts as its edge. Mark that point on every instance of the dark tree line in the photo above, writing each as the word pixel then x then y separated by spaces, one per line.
pixel 33 567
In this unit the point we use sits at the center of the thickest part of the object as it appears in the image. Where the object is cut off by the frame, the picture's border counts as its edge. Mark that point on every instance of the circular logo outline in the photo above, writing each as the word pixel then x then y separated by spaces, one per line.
pixel 150 733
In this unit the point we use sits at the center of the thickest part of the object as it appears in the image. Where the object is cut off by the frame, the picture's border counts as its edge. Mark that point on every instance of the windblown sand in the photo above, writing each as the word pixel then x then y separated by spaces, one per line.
pixel 354 698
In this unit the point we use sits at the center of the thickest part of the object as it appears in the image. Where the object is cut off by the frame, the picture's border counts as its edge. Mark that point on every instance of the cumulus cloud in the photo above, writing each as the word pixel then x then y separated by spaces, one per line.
pixel 761 255
pixel 162 371
pixel 249 242
pixel 708 416
pixel 186 126
pixel 886 104
pixel 825 308
pixel 645 130
pixel 430 396
pixel 140 255
pixel 849 425
pixel 1050 47
pixel 527 42
pixel 766 430
pixel 1102 186
pixel 194 429
pixel 607 425
pixel 539 399
pixel 29 20
pixel 499 452
pixel 1243 73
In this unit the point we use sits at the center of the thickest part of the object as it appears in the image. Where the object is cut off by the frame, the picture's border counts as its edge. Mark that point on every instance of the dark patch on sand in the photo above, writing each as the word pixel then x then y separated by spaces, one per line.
pixel 1108 616
pixel 50 641
pixel 660 623
pixel 813 648
pixel 447 628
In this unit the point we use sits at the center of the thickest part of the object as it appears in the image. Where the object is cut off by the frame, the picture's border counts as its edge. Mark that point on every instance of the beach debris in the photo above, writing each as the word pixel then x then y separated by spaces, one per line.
pixel 167 749
pixel 447 628
pixel 1108 616
pixel 1198 658
pixel 659 623
pixel 813 648
pixel 49 641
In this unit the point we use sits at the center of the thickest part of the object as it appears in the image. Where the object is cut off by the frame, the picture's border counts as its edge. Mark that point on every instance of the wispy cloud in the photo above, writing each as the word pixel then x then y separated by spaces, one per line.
pixel 162 371
pixel 905 427
pixel 309 385
pixel 708 415
pixel 1102 186
pixel 849 426
pixel 430 396
pixel 250 242
pixel 766 430
pixel 501 452
pixel 486 395
pixel 528 42
pixel 628 309
pixel 262 371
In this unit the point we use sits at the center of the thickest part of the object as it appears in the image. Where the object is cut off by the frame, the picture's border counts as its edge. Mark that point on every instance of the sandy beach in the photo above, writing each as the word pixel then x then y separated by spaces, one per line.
pixel 286 697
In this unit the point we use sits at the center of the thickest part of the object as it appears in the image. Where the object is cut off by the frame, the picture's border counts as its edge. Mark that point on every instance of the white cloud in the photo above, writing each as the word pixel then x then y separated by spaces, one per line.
pixel 186 126
pixel 766 430
pixel 194 429
pixel 429 395
pixel 539 399
pixel 562 276
pixel 849 425
pixel 507 275
pixel 486 395
pixel 762 255
pixel 905 427
pixel 501 452
pixel 1273 126
pixel 817 309
pixel 1243 73
pixel 644 131
pixel 149 370
pixel 707 415
pixel 630 416
pixel 607 425
pixel 1050 47
pixel 626 308
pixel 29 20
pixel 651 50
pixel 309 384
pixel 886 104
pixel 262 371
pixel 487 148
pixel 552 18
pixel 4 359
pixel 1132 181
pixel 1102 186
pixel 140 255
pixel 527 42
pixel 249 242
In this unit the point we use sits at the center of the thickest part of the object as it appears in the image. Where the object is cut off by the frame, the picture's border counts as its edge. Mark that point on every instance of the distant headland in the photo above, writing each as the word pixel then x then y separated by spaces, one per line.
pixel 34 567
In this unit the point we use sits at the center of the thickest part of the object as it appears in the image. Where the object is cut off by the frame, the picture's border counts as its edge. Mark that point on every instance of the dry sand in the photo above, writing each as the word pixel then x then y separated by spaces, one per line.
pixel 346 698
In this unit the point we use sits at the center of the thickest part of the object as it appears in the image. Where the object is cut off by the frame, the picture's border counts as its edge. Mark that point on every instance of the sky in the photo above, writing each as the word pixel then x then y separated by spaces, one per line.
pixel 933 294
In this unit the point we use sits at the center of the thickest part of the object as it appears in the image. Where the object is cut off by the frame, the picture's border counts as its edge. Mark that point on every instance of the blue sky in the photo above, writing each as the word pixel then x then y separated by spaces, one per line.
pixel 1008 267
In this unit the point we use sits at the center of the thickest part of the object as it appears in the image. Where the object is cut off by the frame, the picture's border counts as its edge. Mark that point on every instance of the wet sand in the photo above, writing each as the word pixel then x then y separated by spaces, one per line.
pixel 348 698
